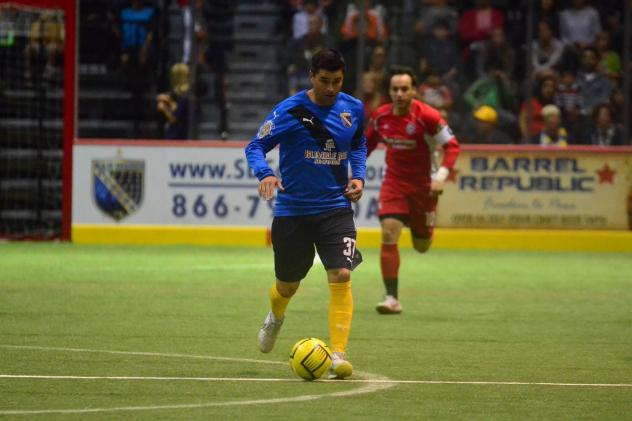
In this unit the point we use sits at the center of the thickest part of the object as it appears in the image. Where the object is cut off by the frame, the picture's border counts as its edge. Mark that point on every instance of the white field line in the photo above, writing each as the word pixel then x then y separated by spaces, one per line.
pixel 363 389
pixel 143 354
pixel 251 379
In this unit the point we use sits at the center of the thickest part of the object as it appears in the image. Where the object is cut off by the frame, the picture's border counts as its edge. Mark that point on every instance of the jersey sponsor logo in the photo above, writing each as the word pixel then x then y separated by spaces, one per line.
pixel 326 157
pixel 325 142
pixel 410 128
pixel 346 119
pixel 401 143
pixel 265 129
pixel 118 186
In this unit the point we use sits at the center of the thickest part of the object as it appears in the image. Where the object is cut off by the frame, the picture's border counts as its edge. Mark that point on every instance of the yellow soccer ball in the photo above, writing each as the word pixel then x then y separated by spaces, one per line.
pixel 310 358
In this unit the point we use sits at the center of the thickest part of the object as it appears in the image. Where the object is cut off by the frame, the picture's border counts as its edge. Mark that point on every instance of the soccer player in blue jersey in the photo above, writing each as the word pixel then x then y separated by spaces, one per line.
pixel 320 133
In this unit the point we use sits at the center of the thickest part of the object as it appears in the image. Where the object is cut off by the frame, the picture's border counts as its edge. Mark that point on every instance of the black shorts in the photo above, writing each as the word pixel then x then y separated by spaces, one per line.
pixel 294 237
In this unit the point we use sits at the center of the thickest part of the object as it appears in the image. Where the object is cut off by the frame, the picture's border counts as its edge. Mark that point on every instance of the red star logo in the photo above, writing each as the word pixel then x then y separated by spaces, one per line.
pixel 452 175
pixel 606 174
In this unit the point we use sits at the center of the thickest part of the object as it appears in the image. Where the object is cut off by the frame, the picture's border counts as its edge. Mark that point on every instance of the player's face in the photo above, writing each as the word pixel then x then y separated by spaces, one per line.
pixel 402 91
pixel 327 86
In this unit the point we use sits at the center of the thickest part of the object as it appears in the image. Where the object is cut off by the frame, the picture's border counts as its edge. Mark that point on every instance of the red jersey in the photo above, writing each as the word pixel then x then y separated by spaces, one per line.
pixel 411 142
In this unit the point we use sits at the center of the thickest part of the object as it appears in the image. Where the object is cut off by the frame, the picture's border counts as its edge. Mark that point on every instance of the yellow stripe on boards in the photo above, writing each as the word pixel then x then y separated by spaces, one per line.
pixel 446 238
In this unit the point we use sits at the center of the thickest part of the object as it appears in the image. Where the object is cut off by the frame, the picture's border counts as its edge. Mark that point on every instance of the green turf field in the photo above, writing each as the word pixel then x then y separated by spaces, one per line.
pixel 192 314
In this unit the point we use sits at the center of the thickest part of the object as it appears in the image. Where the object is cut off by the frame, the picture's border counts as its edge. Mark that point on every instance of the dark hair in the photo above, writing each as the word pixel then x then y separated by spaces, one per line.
pixel 402 70
pixel 591 49
pixel 600 107
pixel 327 59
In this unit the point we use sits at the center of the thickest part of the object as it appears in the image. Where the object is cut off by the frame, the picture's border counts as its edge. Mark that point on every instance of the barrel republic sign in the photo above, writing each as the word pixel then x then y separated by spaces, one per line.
pixel 531 187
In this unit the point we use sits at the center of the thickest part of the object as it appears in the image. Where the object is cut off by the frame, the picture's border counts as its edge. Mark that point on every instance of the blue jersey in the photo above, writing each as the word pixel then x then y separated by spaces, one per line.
pixel 316 146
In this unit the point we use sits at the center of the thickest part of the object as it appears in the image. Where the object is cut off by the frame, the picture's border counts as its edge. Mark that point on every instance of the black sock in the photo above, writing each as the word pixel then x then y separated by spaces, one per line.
pixel 391 286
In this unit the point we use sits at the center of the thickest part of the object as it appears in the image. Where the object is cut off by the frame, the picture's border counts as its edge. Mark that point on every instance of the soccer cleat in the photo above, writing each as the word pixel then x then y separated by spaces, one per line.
pixel 390 305
pixel 268 332
pixel 340 367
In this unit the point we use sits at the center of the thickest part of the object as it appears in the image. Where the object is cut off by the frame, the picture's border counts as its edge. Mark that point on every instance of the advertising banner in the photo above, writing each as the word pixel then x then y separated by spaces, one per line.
pixel 531 187
pixel 208 183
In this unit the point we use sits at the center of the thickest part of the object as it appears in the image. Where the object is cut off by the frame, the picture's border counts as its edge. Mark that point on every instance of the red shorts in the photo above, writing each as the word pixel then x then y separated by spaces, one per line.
pixel 418 208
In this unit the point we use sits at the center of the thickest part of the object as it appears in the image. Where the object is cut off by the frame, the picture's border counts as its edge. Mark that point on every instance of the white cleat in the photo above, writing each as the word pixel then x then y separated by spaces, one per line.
pixel 390 305
pixel 340 367
pixel 269 332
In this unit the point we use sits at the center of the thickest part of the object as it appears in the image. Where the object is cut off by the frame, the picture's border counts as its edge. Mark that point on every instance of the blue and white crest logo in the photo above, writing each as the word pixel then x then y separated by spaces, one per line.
pixel 118 186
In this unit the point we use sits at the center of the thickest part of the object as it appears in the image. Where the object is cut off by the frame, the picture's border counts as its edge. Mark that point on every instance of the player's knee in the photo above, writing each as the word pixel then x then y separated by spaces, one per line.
pixel 390 233
pixel 287 289
pixel 422 245
pixel 339 275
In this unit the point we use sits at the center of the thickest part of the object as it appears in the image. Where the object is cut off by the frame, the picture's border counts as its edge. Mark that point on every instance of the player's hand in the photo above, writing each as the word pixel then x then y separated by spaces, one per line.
pixel 436 187
pixel 267 186
pixel 354 190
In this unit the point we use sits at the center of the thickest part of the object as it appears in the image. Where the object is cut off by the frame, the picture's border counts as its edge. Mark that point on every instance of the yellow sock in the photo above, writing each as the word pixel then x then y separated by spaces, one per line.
pixel 278 303
pixel 340 313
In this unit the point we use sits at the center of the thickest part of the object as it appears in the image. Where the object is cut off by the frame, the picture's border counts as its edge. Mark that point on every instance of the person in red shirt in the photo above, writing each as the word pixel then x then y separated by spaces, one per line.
pixel 411 131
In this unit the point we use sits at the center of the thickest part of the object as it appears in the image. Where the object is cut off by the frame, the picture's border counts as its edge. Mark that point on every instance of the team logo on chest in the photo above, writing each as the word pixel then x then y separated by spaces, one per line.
pixel 345 117
pixel 410 128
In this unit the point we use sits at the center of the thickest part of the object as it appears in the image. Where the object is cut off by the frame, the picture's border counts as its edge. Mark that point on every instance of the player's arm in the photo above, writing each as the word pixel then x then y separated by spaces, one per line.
pixel 357 159
pixel 372 136
pixel 266 139
pixel 444 137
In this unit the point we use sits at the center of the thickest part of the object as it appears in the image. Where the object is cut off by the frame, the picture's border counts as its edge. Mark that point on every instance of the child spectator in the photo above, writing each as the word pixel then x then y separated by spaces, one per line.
pixel 174 106
pixel 552 134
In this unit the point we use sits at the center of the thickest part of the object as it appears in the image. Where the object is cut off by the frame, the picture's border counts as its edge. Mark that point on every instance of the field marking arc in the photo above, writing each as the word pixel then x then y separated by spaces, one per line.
pixel 365 388
pixel 285 380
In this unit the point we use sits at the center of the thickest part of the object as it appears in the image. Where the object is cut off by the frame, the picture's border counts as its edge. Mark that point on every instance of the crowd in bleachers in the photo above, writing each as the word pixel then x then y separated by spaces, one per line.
pixel 472 59
pixel 473 62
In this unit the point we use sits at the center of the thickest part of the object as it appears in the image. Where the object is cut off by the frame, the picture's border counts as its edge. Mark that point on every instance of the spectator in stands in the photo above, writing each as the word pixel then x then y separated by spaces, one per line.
pixel 439 55
pixel 605 132
pixel 482 128
pixel 375 31
pixel 45 46
pixel 567 94
pixel 544 95
pixel 496 49
pixel 546 10
pixel 547 50
pixel 136 32
pixel 301 52
pixel 373 94
pixel 594 87
pixel 476 24
pixel 301 19
pixel 609 60
pixel 435 93
pixel 377 67
pixel 220 43
pixel 196 31
pixel 552 134
pixel 175 106
pixel 496 90
pixel 375 34
pixel 579 26
pixel 431 12
pixel 569 100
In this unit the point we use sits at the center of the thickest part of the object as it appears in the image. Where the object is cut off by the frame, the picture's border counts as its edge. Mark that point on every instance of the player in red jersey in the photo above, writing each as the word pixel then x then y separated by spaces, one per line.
pixel 411 131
